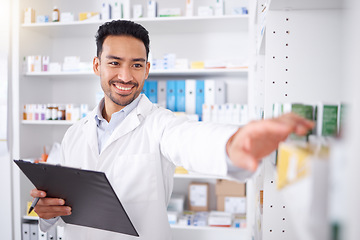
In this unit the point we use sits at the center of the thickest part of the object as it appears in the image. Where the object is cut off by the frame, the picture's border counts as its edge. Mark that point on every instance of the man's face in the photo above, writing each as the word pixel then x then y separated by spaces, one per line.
pixel 122 68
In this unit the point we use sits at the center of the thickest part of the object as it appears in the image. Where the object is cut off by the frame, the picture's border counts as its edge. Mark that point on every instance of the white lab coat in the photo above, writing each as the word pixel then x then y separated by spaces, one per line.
pixel 139 160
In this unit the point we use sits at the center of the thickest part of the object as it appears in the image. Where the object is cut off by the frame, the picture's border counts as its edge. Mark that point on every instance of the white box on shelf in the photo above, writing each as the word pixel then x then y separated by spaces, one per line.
pixel 54 67
pixel 126 8
pixel 219 7
pixel 176 203
pixel 37 63
pixel 67 17
pixel 29 15
pixel 117 10
pixel 205 11
pixel 105 11
pixel 169 12
pixel 189 9
pixel 217 218
pixel 45 63
pixel 137 11
pixel 152 9
pixel 172 217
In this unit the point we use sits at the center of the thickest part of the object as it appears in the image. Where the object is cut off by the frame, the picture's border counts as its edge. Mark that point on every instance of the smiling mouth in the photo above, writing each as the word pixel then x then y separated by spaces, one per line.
pixel 123 88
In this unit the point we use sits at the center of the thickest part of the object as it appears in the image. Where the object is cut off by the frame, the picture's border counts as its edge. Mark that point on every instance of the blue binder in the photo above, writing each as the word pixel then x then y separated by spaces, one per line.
pixel 170 95
pixel 180 96
pixel 152 91
pixel 200 97
pixel 145 88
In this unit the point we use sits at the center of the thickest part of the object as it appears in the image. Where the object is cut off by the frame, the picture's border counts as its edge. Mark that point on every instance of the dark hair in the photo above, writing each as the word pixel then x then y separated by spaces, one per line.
pixel 120 28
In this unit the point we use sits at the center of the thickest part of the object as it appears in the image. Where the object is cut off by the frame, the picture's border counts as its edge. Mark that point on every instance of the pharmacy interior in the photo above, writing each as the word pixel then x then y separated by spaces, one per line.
pixel 221 61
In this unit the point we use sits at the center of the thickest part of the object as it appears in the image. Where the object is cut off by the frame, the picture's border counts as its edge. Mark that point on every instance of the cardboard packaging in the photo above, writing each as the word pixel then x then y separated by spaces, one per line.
pixel 199 196
pixel 231 196
pixel 230 188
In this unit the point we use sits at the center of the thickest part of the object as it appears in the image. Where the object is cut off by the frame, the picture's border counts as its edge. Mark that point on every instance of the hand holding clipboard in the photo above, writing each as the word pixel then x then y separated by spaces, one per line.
pixel 93 201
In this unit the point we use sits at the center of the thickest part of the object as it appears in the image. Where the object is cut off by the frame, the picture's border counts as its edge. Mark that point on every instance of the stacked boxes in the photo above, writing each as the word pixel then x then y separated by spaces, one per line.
pixel 231 196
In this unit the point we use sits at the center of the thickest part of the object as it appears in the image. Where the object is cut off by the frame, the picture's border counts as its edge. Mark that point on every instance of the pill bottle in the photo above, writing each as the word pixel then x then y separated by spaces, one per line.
pixel 48 112
pixel 54 112
pixel 56 15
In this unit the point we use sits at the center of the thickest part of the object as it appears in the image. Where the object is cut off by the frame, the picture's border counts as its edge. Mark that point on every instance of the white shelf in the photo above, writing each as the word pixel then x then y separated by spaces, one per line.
pixel 305 4
pixel 198 176
pixel 175 72
pixel 208 228
pixel 30 218
pixel 60 74
pixel 48 122
pixel 224 23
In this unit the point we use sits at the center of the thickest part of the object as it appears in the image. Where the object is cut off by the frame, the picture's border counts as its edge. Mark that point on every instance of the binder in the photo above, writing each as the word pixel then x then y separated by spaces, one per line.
pixel 210 92
pixel 220 90
pixel 88 193
pixel 152 91
pixel 190 96
pixel 200 98
pixel 51 234
pixel 59 233
pixel 34 231
pixel 41 235
pixel 145 88
pixel 162 93
pixel 180 96
pixel 25 231
pixel 170 95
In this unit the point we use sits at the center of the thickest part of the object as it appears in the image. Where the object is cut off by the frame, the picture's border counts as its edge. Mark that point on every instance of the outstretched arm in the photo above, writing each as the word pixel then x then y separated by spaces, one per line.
pixel 258 139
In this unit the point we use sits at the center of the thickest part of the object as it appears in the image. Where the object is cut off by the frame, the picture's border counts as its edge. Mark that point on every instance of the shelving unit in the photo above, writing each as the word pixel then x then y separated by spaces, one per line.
pixel 154 73
pixel 297 66
pixel 195 38
pixel 48 122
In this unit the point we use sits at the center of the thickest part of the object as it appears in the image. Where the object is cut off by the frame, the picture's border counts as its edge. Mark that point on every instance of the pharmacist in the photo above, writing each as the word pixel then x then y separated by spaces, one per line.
pixel 138 144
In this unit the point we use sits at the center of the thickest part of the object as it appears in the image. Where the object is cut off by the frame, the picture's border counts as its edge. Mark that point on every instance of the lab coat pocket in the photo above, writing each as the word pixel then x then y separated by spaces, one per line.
pixel 135 178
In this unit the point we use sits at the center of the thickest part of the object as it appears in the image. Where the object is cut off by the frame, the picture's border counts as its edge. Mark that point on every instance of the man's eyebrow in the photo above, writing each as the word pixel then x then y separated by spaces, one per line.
pixel 119 58
pixel 113 57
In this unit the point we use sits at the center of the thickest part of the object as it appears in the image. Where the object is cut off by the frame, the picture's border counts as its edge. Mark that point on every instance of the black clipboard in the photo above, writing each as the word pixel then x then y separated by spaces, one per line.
pixel 93 201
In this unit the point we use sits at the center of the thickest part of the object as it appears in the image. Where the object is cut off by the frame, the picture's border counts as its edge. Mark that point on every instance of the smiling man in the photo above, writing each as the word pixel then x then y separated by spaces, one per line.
pixel 138 145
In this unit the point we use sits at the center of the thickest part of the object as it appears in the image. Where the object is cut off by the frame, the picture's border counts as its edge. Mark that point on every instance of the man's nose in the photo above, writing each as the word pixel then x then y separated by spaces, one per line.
pixel 125 74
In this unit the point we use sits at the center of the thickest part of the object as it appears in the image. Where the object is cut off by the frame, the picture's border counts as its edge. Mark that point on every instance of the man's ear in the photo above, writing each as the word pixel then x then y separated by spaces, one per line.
pixel 147 69
pixel 96 66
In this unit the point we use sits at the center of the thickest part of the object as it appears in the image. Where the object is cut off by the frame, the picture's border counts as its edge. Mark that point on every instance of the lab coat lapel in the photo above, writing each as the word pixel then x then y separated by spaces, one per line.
pixel 89 130
pixel 132 121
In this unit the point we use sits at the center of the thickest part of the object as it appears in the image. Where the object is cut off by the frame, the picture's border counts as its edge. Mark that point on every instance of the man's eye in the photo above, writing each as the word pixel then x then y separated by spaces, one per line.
pixel 114 63
pixel 137 65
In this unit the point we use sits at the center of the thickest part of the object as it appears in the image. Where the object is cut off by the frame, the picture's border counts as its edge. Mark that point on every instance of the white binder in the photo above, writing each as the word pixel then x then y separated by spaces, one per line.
pixel 41 235
pixel 34 231
pixel 25 231
pixel 60 233
pixel 209 92
pixel 190 96
pixel 162 93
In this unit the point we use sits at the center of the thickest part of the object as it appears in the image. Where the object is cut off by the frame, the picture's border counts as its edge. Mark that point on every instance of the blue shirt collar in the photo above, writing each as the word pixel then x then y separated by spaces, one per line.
pixel 126 110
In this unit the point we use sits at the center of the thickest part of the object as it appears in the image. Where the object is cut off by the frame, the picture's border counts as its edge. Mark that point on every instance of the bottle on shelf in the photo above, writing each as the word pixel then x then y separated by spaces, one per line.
pixel 56 15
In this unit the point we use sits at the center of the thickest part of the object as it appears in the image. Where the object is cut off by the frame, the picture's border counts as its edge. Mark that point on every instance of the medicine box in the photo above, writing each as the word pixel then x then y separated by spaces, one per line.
pixel 230 188
pixel 199 196
pixel 152 9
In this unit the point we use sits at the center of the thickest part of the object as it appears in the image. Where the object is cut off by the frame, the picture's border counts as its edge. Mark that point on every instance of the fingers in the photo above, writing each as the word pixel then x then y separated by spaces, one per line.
pixel 47 207
pixel 37 193
pixel 296 123
pixel 47 212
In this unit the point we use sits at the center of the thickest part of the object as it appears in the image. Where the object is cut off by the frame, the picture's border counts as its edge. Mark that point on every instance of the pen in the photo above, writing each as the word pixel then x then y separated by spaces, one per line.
pixel 33 204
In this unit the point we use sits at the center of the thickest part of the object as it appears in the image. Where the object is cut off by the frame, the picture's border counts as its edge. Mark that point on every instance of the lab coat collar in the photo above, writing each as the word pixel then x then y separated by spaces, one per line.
pixel 132 121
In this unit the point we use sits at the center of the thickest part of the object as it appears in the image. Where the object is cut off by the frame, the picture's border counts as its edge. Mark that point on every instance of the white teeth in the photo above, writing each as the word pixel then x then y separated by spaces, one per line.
pixel 122 88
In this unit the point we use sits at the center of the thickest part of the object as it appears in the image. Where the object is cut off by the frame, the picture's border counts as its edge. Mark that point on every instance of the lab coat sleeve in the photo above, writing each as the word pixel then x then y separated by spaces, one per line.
pixel 197 146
